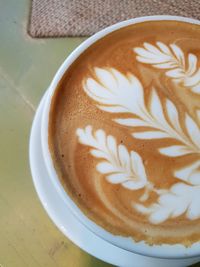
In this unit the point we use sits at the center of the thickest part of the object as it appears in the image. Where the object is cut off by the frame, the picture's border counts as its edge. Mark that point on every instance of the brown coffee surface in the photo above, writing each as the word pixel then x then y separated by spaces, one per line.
pixel 143 181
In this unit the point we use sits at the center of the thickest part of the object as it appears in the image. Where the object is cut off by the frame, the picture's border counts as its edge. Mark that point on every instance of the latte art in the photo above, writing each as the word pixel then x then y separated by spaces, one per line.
pixel 179 68
pixel 126 95
pixel 120 166
pixel 124 132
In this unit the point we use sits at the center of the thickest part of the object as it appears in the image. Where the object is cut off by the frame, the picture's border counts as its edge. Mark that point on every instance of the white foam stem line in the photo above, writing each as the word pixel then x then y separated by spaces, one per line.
pixel 150 188
pixel 147 117
pixel 109 206
pixel 160 191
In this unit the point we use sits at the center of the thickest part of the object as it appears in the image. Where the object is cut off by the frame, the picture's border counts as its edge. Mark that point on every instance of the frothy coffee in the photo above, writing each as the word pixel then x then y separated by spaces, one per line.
pixel 124 132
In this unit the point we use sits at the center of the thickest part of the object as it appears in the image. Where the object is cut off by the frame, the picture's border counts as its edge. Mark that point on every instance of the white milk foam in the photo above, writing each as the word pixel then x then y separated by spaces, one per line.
pixel 118 93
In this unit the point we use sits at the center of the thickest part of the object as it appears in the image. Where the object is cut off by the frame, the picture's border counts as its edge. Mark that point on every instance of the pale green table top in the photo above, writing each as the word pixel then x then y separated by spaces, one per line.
pixel 28 238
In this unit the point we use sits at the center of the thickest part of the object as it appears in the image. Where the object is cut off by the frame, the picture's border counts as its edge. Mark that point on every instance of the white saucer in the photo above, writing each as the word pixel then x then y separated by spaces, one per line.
pixel 70 226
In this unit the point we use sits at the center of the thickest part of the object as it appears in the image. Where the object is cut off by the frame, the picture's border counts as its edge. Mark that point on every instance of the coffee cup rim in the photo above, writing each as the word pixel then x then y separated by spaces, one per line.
pixel 175 251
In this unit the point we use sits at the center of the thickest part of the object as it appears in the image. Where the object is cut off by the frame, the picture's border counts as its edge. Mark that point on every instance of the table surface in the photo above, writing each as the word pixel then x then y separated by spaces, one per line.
pixel 28 238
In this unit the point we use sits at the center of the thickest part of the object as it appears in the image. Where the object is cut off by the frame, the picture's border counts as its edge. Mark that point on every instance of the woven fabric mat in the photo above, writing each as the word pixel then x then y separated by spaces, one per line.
pixel 56 18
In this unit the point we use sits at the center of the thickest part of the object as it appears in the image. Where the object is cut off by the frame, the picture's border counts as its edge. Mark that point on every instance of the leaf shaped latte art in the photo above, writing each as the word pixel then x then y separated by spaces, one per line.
pixel 117 93
pixel 119 166
pixel 171 58
pixel 181 199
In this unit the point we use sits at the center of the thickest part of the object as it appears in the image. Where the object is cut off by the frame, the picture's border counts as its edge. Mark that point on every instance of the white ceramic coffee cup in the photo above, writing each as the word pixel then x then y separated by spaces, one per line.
pixel 160 251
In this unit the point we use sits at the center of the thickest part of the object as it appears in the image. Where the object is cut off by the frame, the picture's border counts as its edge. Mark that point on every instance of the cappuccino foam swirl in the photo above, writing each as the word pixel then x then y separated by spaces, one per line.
pixel 126 95
pixel 124 132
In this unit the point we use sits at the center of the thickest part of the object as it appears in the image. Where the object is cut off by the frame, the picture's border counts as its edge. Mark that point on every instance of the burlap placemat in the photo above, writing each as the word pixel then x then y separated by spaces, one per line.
pixel 56 18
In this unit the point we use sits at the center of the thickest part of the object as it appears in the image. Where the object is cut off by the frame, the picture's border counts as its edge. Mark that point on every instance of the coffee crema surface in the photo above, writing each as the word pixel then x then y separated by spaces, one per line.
pixel 124 132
